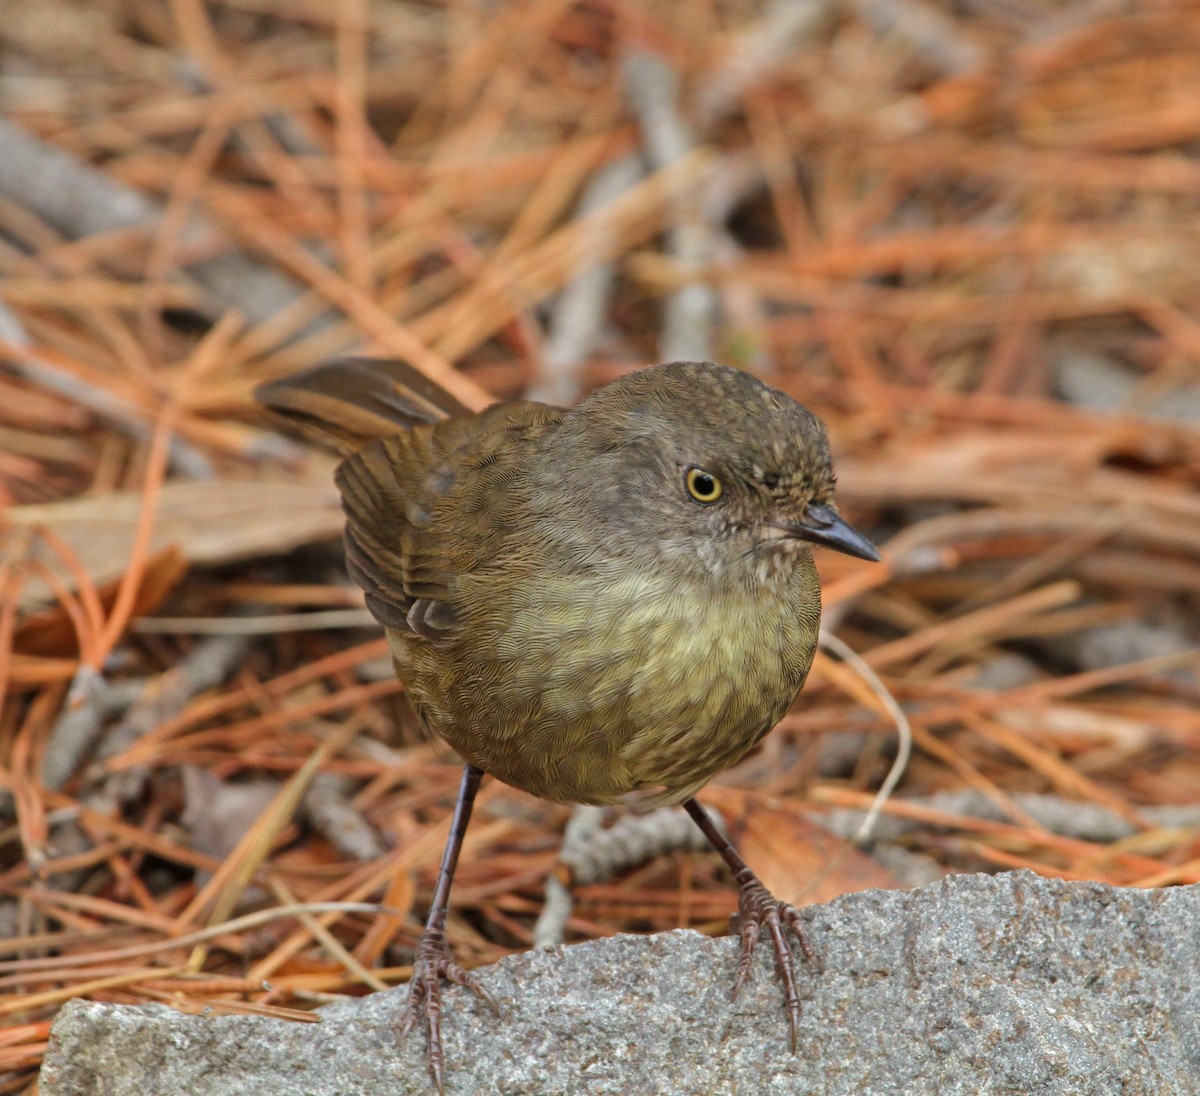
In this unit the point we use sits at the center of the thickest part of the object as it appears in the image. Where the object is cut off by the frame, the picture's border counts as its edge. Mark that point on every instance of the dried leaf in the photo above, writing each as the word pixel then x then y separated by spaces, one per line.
pixel 790 853
pixel 211 522
pixel 52 634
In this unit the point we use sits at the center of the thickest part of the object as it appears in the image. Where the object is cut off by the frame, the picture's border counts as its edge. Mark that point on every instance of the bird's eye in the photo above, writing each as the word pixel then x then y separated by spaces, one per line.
pixel 702 486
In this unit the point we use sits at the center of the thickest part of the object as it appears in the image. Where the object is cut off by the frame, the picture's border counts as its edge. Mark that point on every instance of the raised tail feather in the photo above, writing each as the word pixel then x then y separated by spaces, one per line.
pixel 352 401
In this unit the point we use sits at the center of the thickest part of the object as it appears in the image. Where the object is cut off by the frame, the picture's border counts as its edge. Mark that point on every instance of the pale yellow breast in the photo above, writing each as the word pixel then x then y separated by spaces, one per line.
pixel 585 689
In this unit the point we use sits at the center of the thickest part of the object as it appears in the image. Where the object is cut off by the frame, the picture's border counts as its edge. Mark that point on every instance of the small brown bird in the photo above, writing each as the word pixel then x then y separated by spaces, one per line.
pixel 589 603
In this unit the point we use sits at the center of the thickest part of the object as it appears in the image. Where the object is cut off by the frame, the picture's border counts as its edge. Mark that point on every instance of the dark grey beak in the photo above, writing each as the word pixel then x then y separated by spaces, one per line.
pixel 822 525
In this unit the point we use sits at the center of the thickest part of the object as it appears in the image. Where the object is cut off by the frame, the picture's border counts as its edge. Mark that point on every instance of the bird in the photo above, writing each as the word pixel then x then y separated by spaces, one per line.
pixel 609 602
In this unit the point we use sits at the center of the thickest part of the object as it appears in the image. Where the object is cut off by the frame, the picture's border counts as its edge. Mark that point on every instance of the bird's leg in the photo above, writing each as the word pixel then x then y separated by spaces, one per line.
pixel 433 960
pixel 759 907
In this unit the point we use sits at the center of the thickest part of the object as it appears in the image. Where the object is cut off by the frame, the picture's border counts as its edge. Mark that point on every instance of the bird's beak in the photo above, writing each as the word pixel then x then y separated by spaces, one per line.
pixel 822 525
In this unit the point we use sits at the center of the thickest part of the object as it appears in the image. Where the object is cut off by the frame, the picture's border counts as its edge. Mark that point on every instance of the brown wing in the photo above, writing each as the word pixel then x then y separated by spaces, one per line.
pixel 425 506
pixel 350 402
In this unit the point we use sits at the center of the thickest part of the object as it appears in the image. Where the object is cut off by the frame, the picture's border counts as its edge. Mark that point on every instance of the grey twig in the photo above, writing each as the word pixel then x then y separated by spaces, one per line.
pixel 16 345
pixel 930 32
pixel 273 624
pixel 755 53
pixel 688 312
pixel 81 201
pixel 592 855
pixel 1065 817
pixel 636 839
pixel 209 663
pixel 327 809
pixel 578 315
pixel 76 730
pixel 556 910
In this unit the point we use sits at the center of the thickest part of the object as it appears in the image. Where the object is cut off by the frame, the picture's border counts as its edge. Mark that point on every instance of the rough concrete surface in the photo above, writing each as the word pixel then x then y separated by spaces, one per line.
pixel 1007 984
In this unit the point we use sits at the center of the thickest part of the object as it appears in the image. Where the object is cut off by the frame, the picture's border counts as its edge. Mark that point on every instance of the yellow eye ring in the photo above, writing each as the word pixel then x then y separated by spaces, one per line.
pixel 702 486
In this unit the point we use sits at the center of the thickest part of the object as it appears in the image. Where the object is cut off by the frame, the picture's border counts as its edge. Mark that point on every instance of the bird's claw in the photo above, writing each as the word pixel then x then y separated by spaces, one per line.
pixel 434 963
pixel 758 908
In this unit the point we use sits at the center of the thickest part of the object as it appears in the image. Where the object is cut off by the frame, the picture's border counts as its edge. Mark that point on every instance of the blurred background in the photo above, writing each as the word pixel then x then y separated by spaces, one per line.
pixel 965 234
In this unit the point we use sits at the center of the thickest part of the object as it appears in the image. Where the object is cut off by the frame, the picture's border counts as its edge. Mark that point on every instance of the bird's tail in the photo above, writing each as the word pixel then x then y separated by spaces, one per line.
pixel 352 401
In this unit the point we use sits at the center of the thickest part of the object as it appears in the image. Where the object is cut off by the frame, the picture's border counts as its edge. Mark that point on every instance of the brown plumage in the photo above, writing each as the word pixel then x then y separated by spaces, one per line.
pixel 590 603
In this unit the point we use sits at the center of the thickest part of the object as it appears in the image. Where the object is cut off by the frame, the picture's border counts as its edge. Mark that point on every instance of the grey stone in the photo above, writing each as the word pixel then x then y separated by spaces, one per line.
pixel 1007 984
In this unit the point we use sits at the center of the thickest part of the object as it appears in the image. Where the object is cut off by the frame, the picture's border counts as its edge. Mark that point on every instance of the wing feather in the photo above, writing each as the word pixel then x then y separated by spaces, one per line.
pixel 426 506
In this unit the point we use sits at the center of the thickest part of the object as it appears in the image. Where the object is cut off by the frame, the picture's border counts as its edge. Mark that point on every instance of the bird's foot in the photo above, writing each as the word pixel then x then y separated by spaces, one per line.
pixel 759 908
pixel 434 962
